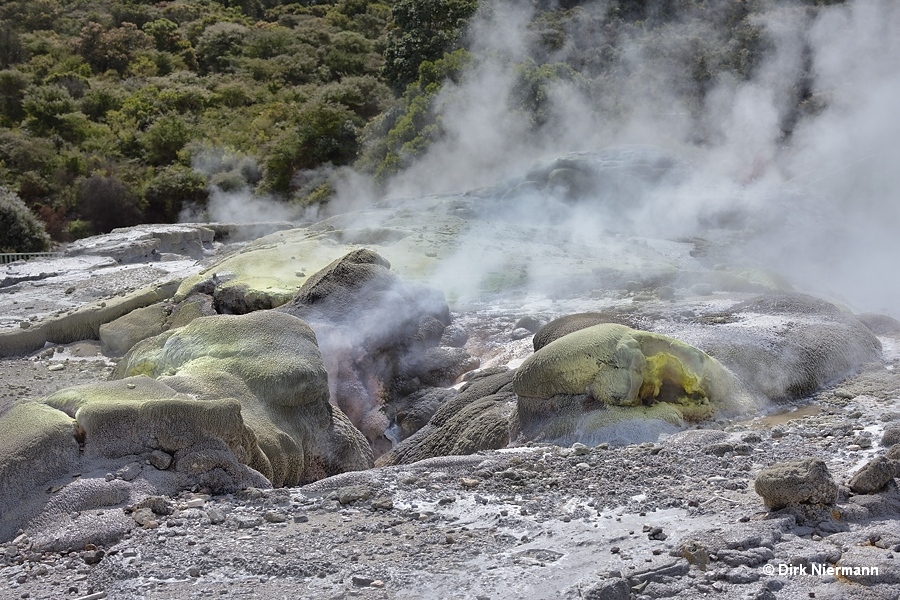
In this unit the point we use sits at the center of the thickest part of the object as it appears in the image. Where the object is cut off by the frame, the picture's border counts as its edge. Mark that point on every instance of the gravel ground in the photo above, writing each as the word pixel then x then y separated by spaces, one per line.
pixel 677 519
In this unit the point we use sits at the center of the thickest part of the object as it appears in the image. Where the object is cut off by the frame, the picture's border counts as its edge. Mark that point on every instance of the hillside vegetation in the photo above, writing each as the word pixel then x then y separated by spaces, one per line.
pixel 116 112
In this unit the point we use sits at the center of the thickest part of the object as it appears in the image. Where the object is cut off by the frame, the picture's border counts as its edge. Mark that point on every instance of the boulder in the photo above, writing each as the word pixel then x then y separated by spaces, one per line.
pixel 805 481
pixel 37 445
pixel 891 436
pixel 478 418
pixel 874 476
pixel 880 324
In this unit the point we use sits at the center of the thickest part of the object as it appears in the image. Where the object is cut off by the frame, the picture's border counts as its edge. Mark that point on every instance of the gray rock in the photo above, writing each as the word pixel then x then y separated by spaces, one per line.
pixel 161 460
pixel 741 575
pixel 874 476
pixel 891 436
pixel 805 481
pixel 352 493
pixel 611 589
pixel 894 452
pixel 454 336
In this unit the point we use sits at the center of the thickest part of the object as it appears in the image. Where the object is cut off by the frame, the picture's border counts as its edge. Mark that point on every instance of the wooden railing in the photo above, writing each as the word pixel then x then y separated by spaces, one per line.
pixel 8 257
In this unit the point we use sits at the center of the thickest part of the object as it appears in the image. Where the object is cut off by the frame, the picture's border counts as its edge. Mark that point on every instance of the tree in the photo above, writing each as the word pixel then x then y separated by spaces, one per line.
pixel 12 93
pixel 107 203
pixel 423 30
pixel 326 133
pixel 219 45
pixel 111 49
pixel 171 190
pixel 20 229
pixel 11 50
pixel 164 138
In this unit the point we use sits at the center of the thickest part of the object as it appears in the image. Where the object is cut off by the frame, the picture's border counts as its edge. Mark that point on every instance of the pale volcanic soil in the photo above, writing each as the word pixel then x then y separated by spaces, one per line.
pixel 529 522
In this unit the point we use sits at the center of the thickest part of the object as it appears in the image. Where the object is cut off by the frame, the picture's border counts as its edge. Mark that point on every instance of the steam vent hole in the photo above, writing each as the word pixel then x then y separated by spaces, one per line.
pixel 666 380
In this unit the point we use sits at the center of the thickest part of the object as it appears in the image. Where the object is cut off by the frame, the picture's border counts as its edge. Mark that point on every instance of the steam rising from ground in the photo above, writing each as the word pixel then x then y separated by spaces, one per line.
pixel 802 155
pixel 819 186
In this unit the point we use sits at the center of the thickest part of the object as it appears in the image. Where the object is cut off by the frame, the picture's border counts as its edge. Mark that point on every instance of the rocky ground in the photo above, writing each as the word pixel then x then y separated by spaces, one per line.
pixel 677 517
pixel 674 519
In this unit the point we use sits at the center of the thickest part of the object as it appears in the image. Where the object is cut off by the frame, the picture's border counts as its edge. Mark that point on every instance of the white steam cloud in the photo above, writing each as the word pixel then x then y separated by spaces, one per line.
pixel 824 195
pixel 818 186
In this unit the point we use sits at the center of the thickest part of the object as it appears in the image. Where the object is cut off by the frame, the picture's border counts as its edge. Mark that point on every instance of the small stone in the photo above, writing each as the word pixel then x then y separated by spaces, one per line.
pixel 469 482
pixel 194 571
pixel 159 459
pixel 301 519
pixel 24 324
pixel 129 472
pixel 854 447
pixel 520 334
pixel 359 581
pixel 57 367
pixel 92 557
pixel 195 503
pixel 446 500
pixel 274 517
pixel 352 493
pixel 377 584
pixel 145 518
pixel 216 516
pixel 580 449
pixel 382 503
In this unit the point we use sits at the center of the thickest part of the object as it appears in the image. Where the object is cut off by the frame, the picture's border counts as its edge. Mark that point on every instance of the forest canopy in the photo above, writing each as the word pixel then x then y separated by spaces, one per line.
pixel 116 112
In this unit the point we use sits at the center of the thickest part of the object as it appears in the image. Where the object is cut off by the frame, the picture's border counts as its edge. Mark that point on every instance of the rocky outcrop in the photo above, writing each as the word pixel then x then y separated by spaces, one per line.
pixel 780 345
pixel 270 363
pixel 80 324
pixel 119 336
pixel 593 378
pixel 379 337
pixel 478 418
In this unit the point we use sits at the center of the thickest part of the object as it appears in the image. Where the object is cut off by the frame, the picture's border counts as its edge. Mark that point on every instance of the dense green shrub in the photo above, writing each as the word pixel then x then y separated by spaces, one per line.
pixel 219 46
pixel 164 138
pixel 326 133
pixel 423 30
pixel 20 229
pixel 107 203
pixel 171 190
pixel 12 93
pixel 45 105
